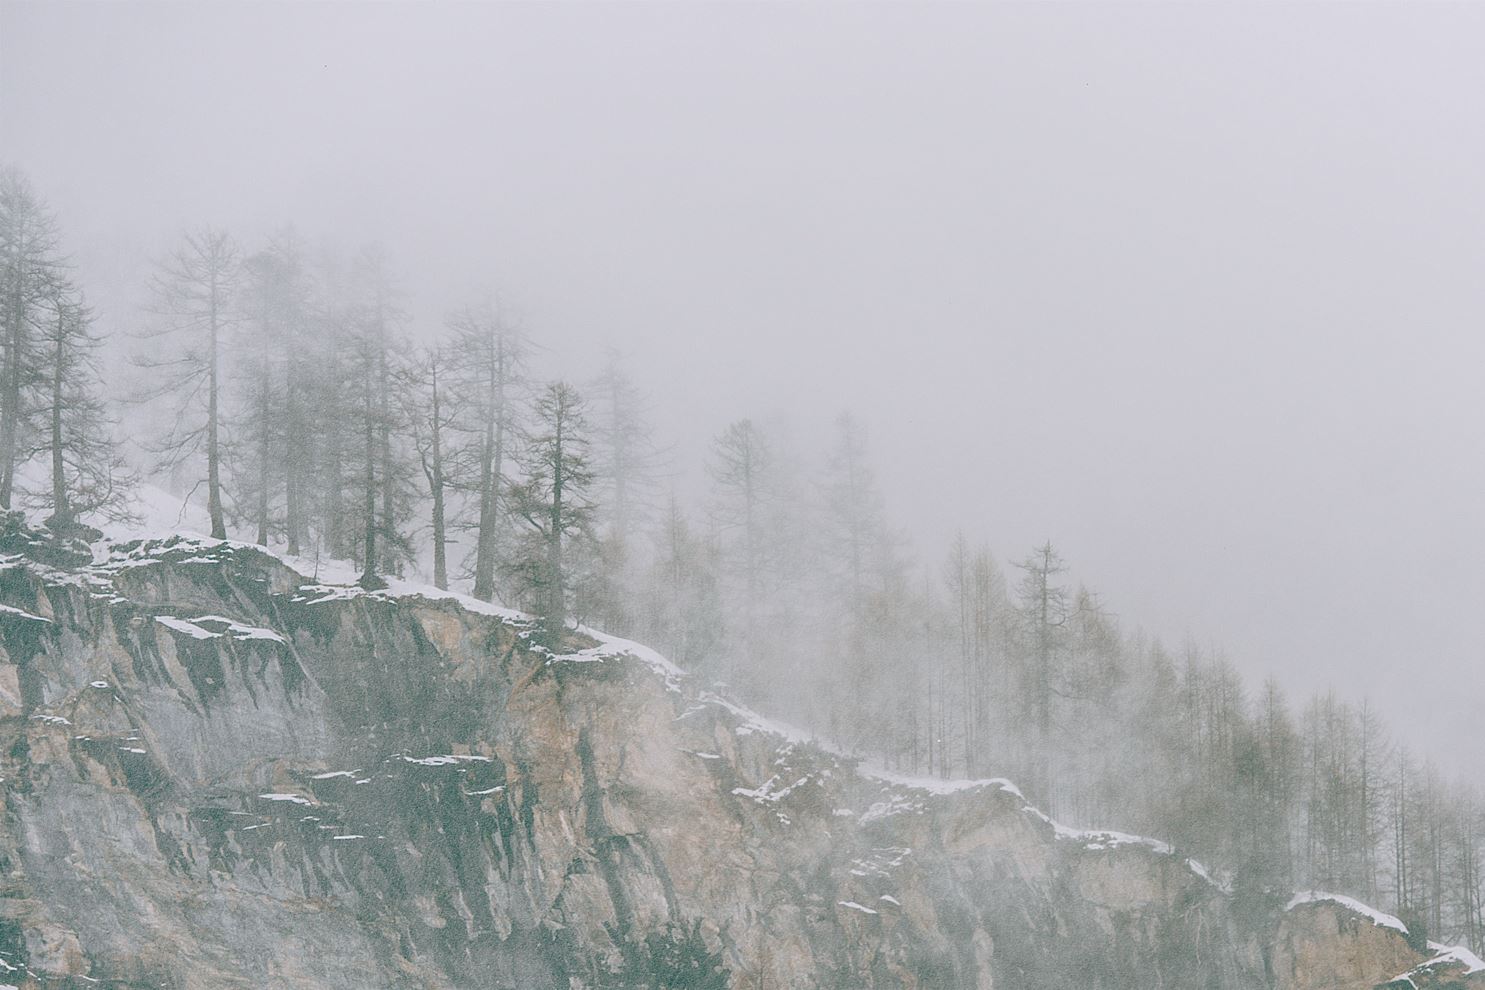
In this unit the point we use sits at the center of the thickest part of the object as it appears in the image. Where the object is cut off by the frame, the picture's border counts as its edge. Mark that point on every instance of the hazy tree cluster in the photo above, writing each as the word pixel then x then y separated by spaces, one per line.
pixel 56 449
pixel 1032 679
pixel 337 437
pixel 285 386
pixel 962 668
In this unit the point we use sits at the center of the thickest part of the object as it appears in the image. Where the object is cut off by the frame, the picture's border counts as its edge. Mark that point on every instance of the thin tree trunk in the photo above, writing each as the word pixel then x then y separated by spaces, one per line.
pixel 61 510
pixel 265 410
pixel 10 399
pixel 335 536
pixel 492 452
pixel 384 414
pixel 213 450
pixel 484 559
pixel 440 564
pixel 620 463
pixel 556 600
pixel 368 576
pixel 264 450
pixel 293 460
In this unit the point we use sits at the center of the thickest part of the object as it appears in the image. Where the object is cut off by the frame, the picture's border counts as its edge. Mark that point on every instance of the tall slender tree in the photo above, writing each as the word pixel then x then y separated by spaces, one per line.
pixel 87 473
pixel 1044 611
pixel 741 467
pixel 853 513
pixel 426 407
pixel 332 407
pixel 31 277
pixel 555 498
pixel 682 602
pixel 195 295
pixel 383 474
pixel 487 369
pixel 627 463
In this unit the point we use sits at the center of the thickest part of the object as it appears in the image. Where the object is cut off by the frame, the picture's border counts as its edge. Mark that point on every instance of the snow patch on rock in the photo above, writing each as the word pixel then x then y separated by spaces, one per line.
pixel 1378 918
pixel 185 628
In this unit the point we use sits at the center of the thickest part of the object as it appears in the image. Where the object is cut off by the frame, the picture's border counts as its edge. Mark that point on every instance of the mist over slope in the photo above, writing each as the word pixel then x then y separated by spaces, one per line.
pixel 283 390
pixel 1084 397
pixel 220 772
pixel 1192 292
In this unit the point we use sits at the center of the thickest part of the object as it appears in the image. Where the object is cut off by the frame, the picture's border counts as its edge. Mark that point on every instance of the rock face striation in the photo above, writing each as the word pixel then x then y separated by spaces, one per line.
pixel 221 773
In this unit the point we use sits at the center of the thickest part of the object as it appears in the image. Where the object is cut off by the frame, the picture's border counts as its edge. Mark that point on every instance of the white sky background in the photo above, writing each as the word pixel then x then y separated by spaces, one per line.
pixel 1198 292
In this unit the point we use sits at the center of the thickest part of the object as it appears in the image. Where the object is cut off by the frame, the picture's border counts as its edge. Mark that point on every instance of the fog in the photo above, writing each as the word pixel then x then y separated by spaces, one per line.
pixel 1195 292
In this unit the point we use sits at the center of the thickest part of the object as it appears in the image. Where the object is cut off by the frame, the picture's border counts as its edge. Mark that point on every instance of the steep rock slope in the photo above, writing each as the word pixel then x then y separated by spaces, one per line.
pixel 221 773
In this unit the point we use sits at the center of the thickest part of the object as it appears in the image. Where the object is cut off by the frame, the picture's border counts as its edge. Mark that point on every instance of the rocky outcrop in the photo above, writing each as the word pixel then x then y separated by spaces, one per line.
pixel 1332 943
pixel 221 773
pixel 1449 968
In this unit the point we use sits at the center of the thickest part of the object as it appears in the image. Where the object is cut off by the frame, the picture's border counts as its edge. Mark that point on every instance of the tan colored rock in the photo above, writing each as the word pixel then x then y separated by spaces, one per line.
pixel 10 691
pixel 1323 945
pixel 403 793
pixel 55 951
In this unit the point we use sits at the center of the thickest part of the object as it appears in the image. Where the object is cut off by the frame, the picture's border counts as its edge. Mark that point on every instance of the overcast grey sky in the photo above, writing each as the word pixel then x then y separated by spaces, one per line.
pixel 1198 291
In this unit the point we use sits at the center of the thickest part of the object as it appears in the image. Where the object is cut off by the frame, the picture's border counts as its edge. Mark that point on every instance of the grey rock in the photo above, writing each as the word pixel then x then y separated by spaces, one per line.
pixel 219 773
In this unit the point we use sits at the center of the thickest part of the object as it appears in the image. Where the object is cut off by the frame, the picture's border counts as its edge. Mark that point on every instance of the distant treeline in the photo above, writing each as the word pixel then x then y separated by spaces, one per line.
pixel 283 388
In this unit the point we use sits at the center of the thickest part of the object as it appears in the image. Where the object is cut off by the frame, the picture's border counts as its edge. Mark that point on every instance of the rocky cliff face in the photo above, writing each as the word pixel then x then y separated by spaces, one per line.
pixel 221 773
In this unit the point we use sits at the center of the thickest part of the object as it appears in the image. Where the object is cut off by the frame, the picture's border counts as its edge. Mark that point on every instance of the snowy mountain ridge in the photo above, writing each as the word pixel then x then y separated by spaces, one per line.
pixel 290 780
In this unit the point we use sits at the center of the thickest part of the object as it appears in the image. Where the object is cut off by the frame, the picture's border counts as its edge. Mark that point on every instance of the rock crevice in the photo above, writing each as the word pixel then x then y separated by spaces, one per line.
pixel 219 772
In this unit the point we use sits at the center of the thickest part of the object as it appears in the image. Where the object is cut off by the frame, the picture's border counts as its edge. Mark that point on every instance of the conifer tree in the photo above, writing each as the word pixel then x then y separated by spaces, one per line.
pixel 554 499
pixel 487 368
pixel 195 293
pixel 427 408
pixel 32 276
pixel 741 467
pixel 87 473
pixel 1044 611
pixel 626 463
